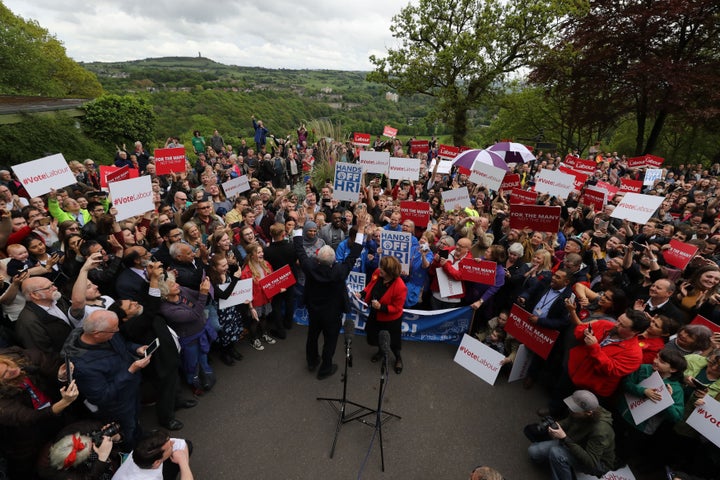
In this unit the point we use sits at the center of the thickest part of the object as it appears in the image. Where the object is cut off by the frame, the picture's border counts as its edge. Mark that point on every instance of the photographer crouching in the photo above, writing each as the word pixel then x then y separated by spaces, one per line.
pixel 583 442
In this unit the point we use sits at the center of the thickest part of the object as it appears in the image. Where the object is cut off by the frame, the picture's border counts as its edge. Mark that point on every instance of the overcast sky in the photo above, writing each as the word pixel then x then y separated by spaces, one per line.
pixel 314 34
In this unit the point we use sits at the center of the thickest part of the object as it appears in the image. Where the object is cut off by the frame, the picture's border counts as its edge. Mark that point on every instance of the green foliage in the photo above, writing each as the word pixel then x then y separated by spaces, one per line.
pixel 33 62
pixel 39 136
pixel 459 51
pixel 115 119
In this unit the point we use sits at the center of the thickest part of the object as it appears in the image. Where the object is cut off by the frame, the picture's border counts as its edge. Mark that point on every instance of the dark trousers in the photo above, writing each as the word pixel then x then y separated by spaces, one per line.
pixel 283 305
pixel 329 326
pixel 393 327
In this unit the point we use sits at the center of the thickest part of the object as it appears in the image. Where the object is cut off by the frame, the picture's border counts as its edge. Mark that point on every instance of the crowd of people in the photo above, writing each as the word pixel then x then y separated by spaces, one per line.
pixel 95 308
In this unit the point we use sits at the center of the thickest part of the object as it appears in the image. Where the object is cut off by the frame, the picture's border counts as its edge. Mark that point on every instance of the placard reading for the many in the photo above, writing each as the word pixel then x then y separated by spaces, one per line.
pixel 169 160
pixel 458 197
pixel 236 186
pixel 132 197
pixel 479 271
pixel 486 175
pixel 538 218
pixel 417 212
pixel 679 254
pixel 700 320
pixel 122 173
pixel 347 181
pixel 479 359
pixel 277 280
pixel 637 207
pixel 538 339
pixel 242 293
pixel 593 197
pixel 554 183
pixel 375 162
pixel 397 244
pixel 525 197
pixel 419 146
pixel 41 175
pixel 106 172
pixel 404 168
pixel 643 408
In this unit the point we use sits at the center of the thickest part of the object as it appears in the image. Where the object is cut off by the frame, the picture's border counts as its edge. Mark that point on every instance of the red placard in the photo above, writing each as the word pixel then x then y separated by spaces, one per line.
pixel 361 139
pixel 419 146
pixel 679 254
pixel 279 279
pixel 570 160
pixel 463 170
pixel 580 178
pixel 537 218
pixel 538 339
pixel 389 131
pixel 650 161
pixel 632 186
pixel 585 166
pixel 636 162
pixel 511 181
pixel 169 160
pixel 418 212
pixel 700 320
pixel 107 171
pixel 611 190
pixel 654 161
pixel 448 151
pixel 524 197
pixel 479 271
pixel 593 198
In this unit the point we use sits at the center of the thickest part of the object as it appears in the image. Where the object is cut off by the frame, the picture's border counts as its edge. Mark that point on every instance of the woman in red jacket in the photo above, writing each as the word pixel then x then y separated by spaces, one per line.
pixel 385 295
pixel 256 267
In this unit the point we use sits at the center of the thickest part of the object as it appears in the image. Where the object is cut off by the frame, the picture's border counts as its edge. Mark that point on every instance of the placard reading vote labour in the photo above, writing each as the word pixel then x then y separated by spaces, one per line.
pixel 242 293
pixel 479 359
pixel 41 175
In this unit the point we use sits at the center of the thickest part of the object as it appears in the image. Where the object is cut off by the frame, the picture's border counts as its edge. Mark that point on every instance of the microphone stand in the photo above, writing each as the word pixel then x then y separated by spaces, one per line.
pixel 340 404
pixel 379 420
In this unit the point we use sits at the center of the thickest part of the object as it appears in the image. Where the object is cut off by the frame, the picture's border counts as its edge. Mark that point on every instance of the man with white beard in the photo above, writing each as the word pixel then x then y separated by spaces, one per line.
pixel 43 323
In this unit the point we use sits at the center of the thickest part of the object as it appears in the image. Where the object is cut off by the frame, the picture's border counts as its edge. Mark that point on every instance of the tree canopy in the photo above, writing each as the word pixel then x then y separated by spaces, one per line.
pixel 458 51
pixel 651 59
pixel 119 119
pixel 33 62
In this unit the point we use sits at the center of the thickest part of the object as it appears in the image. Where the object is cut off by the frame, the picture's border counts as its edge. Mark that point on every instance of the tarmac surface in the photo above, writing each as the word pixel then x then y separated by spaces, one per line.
pixel 263 420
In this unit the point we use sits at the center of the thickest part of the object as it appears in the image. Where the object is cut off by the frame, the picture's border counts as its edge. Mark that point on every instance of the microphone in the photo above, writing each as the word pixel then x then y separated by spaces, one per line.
pixel 349 328
pixel 384 342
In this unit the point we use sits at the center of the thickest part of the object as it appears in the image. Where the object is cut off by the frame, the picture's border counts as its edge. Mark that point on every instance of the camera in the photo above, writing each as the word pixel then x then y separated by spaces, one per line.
pixel 545 423
pixel 538 432
pixel 424 247
pixel 108 430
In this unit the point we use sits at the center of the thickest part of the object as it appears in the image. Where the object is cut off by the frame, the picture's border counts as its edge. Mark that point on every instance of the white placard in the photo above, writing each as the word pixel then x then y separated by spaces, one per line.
pixel 637 207
pixel 489 176
pixel 479 359
pixel 448 286
pixel 404 168
pixel 131 197
pixel 622 474
pixel 398 245
pixel 41 175
pixel 236 186
pixel 444 167
pixel 348 177
pixel 706 420
pixel 453 198
pixel 652 174
pixel 520 364
pixel 556 184
pixel 242 293
pixel 643 408
pixel 374 162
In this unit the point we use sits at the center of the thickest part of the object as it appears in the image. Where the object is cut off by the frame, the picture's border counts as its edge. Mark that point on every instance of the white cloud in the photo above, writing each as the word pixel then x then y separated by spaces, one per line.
pixel 323 34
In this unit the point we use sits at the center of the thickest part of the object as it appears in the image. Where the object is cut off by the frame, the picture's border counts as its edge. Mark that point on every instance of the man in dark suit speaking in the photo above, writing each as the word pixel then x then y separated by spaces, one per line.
pixel 326 296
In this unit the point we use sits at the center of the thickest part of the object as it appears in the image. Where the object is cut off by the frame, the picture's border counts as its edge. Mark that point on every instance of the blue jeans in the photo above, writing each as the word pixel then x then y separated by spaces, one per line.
pixel 193 358
pixel 560 460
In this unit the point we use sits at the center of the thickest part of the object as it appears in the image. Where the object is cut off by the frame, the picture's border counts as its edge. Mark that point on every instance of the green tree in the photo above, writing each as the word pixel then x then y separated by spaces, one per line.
pixel 33 62
pixel 458 51
pixel 115 119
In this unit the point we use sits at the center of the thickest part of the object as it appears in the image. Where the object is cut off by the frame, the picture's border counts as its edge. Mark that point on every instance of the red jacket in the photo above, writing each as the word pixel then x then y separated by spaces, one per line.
pixel 259 297
pixel 600 369
pixel 451 268
pixel 392 301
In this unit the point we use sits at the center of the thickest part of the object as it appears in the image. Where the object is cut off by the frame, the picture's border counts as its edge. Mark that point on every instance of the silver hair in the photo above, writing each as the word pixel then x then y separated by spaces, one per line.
pixel 326 255
pixel 62 448
pixel 98 321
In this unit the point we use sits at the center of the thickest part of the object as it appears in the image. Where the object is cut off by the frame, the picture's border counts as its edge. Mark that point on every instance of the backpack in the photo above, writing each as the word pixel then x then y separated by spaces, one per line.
pixel 279 168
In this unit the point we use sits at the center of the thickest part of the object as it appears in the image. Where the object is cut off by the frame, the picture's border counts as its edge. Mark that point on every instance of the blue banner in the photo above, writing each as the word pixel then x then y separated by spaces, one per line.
pixel 417 325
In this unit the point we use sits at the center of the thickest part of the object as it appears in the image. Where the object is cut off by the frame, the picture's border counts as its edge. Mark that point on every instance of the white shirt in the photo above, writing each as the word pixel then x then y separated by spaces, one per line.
pixel 130 471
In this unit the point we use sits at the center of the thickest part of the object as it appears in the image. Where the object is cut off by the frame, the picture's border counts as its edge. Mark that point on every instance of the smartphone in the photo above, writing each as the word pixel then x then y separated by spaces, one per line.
pixel 152 347
pixel 572 298
pixel 589 329
pixel 444 253
pixel 638 247
pixel 68 370
pixel 699 385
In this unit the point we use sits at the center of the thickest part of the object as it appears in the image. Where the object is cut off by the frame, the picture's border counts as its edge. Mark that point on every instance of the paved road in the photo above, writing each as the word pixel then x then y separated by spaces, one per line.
pixel 262 420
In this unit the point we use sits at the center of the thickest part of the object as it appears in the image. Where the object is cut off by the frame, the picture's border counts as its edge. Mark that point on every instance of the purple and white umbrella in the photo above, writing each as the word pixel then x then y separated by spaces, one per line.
pixel 513 152
pixel 468 158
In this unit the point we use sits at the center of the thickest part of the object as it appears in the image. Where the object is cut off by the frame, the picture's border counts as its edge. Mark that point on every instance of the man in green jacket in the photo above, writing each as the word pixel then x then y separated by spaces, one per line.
pixel 70 210
pixel 583 442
